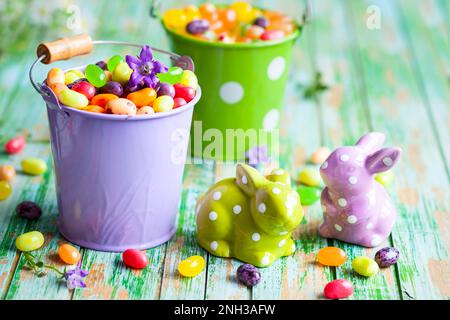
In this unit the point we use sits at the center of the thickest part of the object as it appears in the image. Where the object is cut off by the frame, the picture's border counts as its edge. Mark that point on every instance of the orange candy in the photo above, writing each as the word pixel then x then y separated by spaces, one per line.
pixel 331 256
pixel 228 17
pixel 69 254
pixel 208 11
pixel 94 108
pixel 102 99
pixel 143 97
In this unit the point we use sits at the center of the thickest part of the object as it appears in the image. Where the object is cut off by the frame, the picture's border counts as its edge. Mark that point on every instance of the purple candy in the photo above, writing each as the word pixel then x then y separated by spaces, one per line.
pixel 248 275
pixel 101 64
pixel 28 210
pixel 262 22
pixel 166 89
pixel 197 26
pixel 387 257
pixel 112 87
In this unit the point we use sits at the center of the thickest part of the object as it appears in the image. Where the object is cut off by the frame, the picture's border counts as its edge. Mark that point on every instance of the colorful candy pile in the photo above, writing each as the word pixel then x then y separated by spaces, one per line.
pixel 238 22
pixel 134 85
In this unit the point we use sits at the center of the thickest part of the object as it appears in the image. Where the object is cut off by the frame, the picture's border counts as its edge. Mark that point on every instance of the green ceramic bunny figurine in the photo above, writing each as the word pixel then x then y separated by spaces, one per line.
pixel 250 217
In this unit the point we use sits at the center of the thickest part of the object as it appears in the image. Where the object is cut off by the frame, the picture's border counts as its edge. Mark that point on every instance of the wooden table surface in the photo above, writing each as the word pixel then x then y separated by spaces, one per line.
pixel 394 79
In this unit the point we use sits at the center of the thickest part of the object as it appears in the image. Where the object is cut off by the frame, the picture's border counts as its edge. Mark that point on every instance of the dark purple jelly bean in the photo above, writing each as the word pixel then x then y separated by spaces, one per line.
pixel 70 85
pixel 198 26
pixel 28 210
pixel 262 22
pixel 248 275
pixel 387 257
pixel 101 65
pixel 166 89
pixel 112 87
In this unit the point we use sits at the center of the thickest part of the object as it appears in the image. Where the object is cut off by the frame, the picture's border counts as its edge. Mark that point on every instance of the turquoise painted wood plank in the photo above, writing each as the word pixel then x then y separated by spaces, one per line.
pixel 421 232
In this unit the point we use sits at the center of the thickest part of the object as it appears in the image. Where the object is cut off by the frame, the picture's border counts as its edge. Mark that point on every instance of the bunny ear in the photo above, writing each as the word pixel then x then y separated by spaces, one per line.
pixel 371 141
pixel 280 175
pixel 248 178
pixel 383 160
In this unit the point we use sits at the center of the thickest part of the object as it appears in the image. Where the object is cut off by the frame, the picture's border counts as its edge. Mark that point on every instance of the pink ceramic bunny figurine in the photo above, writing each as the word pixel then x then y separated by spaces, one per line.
pixel 357 209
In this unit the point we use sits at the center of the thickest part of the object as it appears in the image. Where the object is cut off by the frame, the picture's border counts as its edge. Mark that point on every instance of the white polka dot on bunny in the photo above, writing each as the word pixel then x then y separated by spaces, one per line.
pixel 256 237
pixel 237 209
pixel 213 216
pixel 214 245
pixel 281 243
pixel 262 208
pixel 217 195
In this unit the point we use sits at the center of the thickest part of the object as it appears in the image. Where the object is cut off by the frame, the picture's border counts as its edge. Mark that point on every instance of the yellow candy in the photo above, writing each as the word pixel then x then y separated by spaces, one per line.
pixel 72 75
pixel 310 177
pixel 175 18
pixel 34 166
pixel 244 11
pixel 30 241
pixel 122 73
pixel 191 266
pixel 365 266
pixel 188 78
pixel 72 98
pixel 163 104
pixel 5 190
pixel 385 178
pixel 192 13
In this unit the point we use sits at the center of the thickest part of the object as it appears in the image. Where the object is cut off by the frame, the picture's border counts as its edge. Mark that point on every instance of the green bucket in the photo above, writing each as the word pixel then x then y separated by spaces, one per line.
pixel 243 88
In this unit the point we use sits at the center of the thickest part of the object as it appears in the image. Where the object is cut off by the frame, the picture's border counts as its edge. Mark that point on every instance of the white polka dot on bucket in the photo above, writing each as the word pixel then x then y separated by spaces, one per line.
pixel 213 216
pixel 214 245
pixel 344 157
pixel 342 202
pixel 387 161
pixel 352 180
pixel 256 237
pixel 276 190
pixel 270 121
pixel 262 208
pixel 237 209
pixel 244 179
pixel 231 92
pixel 217 195
pixel 281 243
pixel 324 165
pixel 338 227
pixel 276 68
pixel 352 219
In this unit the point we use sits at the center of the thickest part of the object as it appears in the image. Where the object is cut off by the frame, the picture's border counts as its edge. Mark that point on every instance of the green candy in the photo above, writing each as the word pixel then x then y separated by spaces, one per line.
pixel 34 166
pixel 95 75
pixel 122 73
pixel 30 241
pixel 310 177
pixel 250 217
pixel 113 62
pixel 308 195
pixel 385 178
pixel 172 76
pixel 365 266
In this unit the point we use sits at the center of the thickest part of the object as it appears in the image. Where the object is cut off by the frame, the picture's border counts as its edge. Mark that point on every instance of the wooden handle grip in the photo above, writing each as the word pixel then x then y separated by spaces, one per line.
pixel 65 48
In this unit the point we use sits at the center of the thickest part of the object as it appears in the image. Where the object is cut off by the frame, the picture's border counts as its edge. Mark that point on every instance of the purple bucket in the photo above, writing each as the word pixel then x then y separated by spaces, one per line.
pixel 118 178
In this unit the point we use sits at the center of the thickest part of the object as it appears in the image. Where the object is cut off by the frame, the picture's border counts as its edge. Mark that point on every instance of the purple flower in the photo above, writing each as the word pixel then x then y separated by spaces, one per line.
pixel 144 68
pixel 257 155
pixel 74 277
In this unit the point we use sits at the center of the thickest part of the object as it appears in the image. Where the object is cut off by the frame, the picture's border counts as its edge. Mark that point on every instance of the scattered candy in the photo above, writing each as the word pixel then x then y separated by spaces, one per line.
pixel 69 254
pixel 338 289
pixel 143 97
pixel 5 190
pixel 33 166
pixel 308 195
pixel 94 108
pixel 272 35
pixel 121 106
pixel 248 274
pixel 385 178
pixel 28 210
pixel 365 266
pixel 72 98
pixel 387 257
pixel 7 173
pixel 135 259
pixel 320 155
pixel 191 266
pixel 310 177
pixel 85 88
pixel 30 241
pixel 163 104
pixel 15 145
pixel 331 256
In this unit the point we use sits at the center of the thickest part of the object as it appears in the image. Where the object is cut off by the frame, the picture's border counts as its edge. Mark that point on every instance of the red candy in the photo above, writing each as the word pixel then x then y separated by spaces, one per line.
pixel 272 35
pixel 134 259
pixel 84 88
pixel 182 91
pixel 338 289
pixel 178 102
pixel 15 145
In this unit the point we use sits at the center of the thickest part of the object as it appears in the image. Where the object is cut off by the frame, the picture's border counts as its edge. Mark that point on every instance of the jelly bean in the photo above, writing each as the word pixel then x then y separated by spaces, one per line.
pixel 365 266
pixel 197 26
pixel 244 11
pixel 94 108
pixel 189 79
pixel 208 11
pixel 122 73
pixel 85 88
pixel 102 99
pixel 385 178
pixel 178 102
pixel 163 104
pixel 5 190
pixel 112 87
pixel 191 266
pixel 228 17
pixel 72 98
pixel 30 241
pixel 102 65
pixel 146 110
pixel 95 75
pixel 121 106
pixel 308 195
pixel 33 166
pixel 166 89
pixel 108 75
pixel 72 75
pixel 192 12
pixel 387 257
pixel 320 155
pixel 272 35
pixel 172 76
pixel 181 91
pixel 70 85
pixel 54 76
pixel 113 62
pixel 248 274
pixel 15 145
pixel 331 256
pixel 175 18
pixel 255 32
pixel 28 210
pixel 135 259
pixel 143 97
pixel 58 87
pixel 310 177
pixel 338 289
pixel 7 173
pixel 69 254
pixel 261 22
